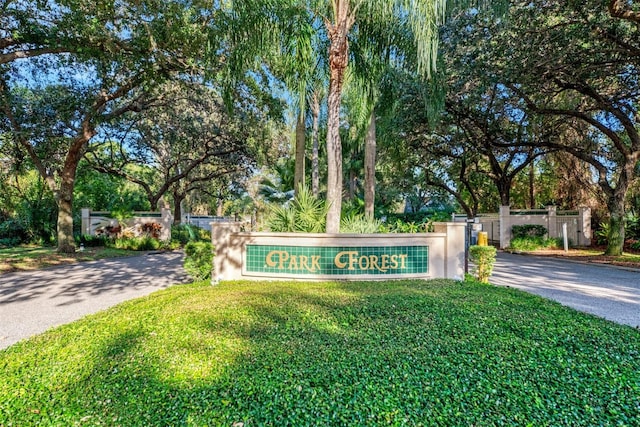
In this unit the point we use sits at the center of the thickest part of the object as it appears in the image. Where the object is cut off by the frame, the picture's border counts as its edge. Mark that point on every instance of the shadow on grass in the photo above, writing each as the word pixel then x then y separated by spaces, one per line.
pixel 434 353
pixel 81 281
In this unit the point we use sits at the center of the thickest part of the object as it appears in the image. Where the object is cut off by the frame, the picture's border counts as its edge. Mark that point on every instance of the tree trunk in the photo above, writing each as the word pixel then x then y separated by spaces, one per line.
pixel 177 207
pixel 616 205
pixel 220 206
pixel 338 61
pixel 154 200
pixel 504 188
pixel 370 167
pixel 315 171
pixel 532 193
pixel 64 195
pixel 353 184
pixel 66 243
pixel 617 221
pixel 64 199
pixel 298 180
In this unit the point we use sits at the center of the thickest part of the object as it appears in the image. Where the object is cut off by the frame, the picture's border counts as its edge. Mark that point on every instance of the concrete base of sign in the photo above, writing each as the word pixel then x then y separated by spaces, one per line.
pixel 286 256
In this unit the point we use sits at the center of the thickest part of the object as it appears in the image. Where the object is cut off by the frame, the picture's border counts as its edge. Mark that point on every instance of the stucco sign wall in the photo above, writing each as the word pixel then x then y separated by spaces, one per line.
pixel 240 255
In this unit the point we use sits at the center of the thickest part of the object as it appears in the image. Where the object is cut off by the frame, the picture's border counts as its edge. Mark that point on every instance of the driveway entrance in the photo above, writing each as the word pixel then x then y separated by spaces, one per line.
pixel 609 292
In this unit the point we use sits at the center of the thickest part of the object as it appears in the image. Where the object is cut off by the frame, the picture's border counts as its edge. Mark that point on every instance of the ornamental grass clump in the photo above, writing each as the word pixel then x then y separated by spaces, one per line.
pixel 305 214
pixel 483 257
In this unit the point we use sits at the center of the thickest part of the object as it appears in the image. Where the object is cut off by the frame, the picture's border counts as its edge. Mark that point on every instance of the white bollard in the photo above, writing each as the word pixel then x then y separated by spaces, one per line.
pixel 564 237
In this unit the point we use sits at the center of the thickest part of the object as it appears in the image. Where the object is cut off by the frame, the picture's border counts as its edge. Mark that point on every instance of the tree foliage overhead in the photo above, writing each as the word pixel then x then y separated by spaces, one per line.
pixel 558 76
pixel 185 138
pixel 569 73
pixel 104 59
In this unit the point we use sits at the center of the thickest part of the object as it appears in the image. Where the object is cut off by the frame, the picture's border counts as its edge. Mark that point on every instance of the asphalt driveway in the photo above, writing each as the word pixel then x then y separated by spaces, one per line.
pixel 32 302
pixel 609 292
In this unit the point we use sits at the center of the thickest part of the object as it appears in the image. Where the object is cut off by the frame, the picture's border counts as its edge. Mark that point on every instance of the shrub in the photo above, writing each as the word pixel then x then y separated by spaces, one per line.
pixel 13 230
pixel 136 243
pixel 535 243
pixel 528 230
pixel 9 242
pixel 483 257
pixel 420 217
pixel 632 228
pixel 198 261
pixel 151 229
pixel 400 226
pixel 305 214
pixel 602 233
pixel 185 233
pixel 91 241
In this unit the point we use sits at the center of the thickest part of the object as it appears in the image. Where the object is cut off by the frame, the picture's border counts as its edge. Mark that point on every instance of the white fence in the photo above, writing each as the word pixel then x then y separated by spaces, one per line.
pixel 498 226
pixel 204 221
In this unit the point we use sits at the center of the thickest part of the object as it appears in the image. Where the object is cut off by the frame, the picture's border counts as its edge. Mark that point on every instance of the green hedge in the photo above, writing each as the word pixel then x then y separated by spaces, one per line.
pixel 528 230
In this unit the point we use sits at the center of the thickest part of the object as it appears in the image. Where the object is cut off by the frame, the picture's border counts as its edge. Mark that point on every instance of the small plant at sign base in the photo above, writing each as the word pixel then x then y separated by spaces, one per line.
pixel 198 260
pixel 484 257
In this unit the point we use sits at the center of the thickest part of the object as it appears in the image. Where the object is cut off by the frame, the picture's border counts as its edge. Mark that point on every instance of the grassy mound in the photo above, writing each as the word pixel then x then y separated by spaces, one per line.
pixel 395 353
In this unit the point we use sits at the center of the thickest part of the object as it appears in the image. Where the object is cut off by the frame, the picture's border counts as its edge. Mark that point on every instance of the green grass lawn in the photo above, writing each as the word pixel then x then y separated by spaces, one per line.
pixel 436 353
pixel 34 257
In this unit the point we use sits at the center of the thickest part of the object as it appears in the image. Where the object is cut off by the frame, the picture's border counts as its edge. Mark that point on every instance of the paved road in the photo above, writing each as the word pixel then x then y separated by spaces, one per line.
pixel 32 302
pixel 608 292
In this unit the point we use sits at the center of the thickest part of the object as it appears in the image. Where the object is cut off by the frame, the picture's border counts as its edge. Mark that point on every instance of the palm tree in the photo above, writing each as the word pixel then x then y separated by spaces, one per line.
pixel 381 52
pixel 422 17
pixel 279 188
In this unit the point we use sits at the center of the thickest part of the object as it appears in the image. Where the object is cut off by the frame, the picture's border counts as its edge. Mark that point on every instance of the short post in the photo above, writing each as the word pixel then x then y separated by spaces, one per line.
pixel 467 243
pixel 483 238
pixel 565 238
pixel 86 221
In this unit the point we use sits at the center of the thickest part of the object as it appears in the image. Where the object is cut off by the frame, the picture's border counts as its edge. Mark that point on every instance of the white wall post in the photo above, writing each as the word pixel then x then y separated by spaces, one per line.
pixel 584 222
pixel 86 221
pixel 552 229
pixel 505 226
pixel 166 221
pixel 455 250
pixel 227 254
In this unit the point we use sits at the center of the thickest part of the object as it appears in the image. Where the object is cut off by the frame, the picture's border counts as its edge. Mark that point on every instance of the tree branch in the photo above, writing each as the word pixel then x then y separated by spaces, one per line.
pixel 619 9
